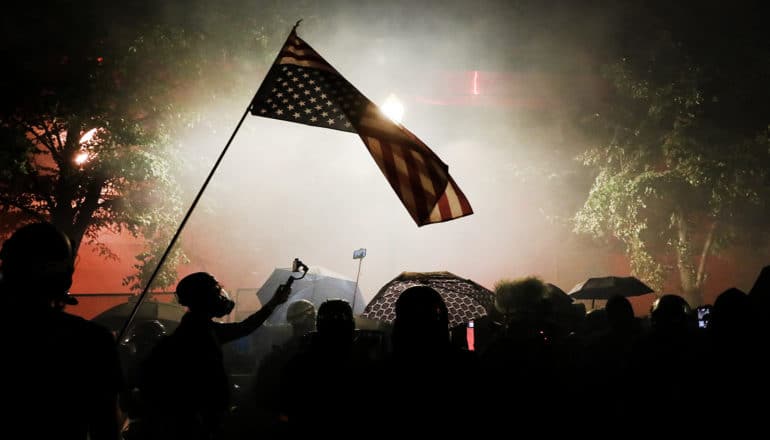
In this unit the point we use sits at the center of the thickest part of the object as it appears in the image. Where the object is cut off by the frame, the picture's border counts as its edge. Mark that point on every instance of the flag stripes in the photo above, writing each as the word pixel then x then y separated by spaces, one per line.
pixel 302 87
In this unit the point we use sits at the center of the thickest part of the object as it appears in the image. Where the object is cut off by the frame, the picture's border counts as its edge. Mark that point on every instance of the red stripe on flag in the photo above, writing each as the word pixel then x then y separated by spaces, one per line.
pixel 421 204
pixel 388 166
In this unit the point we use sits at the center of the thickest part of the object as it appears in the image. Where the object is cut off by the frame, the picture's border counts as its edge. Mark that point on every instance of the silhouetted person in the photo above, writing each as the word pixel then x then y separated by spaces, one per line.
pixel 185 384
pixel 135 349
pixel 319 384
pixel 525 360
pixel 608 358
pixel 672 363
pixel 737 356
pixel 264 418
pixel 60 374
pixel 429 383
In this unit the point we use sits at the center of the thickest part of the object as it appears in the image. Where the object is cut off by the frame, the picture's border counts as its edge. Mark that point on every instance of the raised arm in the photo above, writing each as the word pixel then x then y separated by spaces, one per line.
pixel 231 332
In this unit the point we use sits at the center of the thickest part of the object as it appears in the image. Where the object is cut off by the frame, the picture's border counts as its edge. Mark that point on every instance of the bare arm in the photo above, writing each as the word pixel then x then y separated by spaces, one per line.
pixel 231 332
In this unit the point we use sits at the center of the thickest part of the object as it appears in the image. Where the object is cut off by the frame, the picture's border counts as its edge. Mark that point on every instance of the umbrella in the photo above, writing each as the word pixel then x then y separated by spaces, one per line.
pixel 607 287
pixel 169 314
pixel 318 285
pixel 557 294
pixel 465 299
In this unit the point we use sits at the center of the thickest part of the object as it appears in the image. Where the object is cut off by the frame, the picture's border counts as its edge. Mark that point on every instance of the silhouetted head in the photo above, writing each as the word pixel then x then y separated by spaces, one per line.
pixel 670 312
pixel 595 321
pixel 761 286
pixel 201 293
pixel 620 313
pixel 731 311
pixel 38 259
pixel 301 316
pixel 422 320
pixel 335 323
pixel 145 334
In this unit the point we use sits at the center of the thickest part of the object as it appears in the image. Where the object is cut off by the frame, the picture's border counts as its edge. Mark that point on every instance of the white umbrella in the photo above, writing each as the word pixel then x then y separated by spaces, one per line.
pixel 318 285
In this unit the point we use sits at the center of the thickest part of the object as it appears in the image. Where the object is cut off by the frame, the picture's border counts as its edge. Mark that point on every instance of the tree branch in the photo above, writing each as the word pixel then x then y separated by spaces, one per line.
pixel 707 245
pixel 42 139
pixel 25 209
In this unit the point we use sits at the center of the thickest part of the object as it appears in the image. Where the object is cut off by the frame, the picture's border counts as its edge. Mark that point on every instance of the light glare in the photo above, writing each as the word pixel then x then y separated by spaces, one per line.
pixel 88 136
pixel 81 158
pixel 393 108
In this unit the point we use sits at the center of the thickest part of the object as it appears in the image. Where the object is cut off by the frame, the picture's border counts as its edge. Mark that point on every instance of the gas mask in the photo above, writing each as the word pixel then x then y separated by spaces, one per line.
pixel 222 305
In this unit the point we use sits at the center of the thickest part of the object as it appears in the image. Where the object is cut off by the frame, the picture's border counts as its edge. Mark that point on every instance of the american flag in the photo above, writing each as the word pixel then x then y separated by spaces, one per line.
pixel 302 87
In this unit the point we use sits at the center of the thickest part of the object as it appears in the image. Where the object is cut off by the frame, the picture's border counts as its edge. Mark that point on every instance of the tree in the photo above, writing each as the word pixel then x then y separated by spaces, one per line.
pixel 682 149
pixel 92 151
pixel 91 121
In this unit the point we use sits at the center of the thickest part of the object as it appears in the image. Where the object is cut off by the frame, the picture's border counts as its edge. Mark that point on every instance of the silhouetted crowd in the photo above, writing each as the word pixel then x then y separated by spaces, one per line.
pixel 539 367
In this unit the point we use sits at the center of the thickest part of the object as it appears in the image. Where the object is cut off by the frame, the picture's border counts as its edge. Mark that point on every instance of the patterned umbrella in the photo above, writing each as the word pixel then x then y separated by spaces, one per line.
pixel 465 299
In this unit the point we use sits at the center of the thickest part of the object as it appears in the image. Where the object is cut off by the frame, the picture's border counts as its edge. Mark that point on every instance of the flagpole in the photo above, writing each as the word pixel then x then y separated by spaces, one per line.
pixel 178 232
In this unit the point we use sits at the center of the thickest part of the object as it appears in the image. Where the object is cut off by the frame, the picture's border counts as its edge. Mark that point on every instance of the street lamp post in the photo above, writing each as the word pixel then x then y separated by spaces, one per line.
pixel 359 255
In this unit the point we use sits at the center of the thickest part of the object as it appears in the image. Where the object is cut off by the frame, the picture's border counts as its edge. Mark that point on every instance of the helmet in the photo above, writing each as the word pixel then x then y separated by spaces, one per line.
pixel 300 310
pixel 150 330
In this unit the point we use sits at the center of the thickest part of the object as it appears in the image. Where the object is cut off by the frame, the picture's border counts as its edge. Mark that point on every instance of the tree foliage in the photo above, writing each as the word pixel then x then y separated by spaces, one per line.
pixel 682 150
pixel 91 125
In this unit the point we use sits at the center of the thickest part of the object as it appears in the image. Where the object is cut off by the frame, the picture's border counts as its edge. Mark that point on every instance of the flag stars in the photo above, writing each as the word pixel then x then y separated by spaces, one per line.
pixel 290 89
pixel 306 92
pixel 290 107
pixel 312 100
pixel 330 121
pixel 301 85
pixel 305 75
pixel 279 112
pixel 318 107
pixel 285 83
pixel 311 82
pixel 295 96
pixel 296 115
pixel 347 124
pixel 329 103
pixel 323 95
pixel 302 103
pixel 279 95
pixel 313 119
pixel 308 111
pixel 325 114
pixel 295 79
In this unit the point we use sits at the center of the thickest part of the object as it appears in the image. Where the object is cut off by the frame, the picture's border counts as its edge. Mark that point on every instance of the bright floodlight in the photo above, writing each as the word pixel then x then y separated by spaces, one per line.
pixel 88 136
pixel 393 108
pixel 81 158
